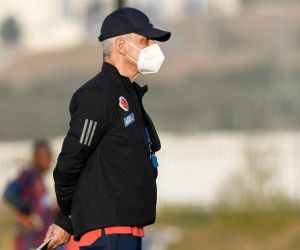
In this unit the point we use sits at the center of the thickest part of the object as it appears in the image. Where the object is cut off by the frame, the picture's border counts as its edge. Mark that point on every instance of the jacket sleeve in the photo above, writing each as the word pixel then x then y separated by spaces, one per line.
pixel 12 194
pixel 64 222
pixel 88 109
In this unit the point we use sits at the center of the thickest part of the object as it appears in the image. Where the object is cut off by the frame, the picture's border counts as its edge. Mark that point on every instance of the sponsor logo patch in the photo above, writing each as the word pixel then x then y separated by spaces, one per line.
pixel 123 103
pixel 129 119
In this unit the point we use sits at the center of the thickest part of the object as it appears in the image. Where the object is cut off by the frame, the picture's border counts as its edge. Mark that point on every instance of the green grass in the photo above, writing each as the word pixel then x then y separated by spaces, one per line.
pixel 6 227
pixel 277 230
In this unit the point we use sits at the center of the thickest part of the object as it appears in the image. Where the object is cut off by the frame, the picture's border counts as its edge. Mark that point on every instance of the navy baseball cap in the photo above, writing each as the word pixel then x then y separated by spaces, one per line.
pixel 127 20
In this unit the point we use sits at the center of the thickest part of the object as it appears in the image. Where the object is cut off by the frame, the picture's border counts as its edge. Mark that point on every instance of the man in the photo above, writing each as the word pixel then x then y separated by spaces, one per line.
pixel 29 197
pixel 105 177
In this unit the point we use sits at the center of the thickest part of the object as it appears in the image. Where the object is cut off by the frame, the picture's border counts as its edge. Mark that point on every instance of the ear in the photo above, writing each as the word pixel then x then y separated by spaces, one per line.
pixel 120 46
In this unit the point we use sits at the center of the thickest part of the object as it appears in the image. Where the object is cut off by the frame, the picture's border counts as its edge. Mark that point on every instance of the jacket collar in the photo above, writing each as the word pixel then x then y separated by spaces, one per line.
pixel 141 90
pixel 114 73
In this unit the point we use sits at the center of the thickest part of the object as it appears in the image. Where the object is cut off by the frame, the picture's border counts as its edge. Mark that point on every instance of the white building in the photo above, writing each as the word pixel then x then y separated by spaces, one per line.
pixel 53 24
pixel 227 7
pixel 177 9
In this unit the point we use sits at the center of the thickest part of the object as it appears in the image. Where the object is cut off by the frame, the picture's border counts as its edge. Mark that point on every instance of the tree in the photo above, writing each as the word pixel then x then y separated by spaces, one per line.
pixel 120 3
pixel 10 31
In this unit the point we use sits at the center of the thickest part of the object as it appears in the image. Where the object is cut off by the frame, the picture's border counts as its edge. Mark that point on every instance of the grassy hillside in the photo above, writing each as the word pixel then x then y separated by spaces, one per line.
pixel 234 231
pixel 277 230
pixel 231 73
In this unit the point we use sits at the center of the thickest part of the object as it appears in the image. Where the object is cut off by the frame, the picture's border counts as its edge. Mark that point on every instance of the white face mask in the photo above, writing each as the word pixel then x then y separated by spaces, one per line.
pixel 150 58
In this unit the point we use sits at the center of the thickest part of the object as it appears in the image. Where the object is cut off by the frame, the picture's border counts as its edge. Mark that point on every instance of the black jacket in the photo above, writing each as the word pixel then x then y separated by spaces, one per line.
pixel 104 176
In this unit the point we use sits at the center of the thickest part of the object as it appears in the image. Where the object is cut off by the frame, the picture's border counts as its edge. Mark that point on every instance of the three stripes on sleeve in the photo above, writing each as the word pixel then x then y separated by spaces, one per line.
pixel 88 132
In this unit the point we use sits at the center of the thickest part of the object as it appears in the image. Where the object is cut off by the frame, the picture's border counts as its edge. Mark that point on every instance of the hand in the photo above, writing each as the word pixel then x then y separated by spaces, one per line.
pixel 25 221
pixel 30 222
pixel 58 235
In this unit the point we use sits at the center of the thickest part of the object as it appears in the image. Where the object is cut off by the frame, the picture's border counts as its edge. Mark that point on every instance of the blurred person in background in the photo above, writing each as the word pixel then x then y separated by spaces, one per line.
pixel 28 195
pixel 105 177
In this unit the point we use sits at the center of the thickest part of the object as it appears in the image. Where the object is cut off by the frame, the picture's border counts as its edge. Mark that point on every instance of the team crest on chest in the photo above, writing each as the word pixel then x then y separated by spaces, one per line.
pixel 123 103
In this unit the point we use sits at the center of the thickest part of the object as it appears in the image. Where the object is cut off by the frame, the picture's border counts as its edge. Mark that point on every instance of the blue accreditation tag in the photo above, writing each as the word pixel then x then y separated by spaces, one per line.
pixel 154 161
pixel 152 156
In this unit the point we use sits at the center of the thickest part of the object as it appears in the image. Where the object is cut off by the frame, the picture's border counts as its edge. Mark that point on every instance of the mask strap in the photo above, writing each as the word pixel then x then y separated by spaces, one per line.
pixel 134 47
pixel 132 59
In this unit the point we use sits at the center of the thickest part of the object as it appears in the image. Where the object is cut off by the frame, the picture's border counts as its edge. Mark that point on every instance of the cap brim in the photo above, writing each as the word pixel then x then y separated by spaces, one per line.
pixel 156 34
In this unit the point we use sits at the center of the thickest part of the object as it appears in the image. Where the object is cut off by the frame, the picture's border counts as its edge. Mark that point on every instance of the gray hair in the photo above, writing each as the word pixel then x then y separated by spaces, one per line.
pixel 108 43
pixel 107 46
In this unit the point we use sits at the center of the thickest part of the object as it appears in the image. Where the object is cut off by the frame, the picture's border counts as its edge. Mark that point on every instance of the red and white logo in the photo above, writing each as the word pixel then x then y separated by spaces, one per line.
pixel 123 103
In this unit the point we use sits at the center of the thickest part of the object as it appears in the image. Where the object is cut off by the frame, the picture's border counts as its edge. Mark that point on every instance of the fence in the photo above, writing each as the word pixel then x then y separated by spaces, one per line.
pixel 203 169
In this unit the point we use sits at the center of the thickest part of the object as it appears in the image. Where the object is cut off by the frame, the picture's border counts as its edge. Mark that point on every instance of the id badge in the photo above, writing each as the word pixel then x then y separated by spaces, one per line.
pixel 154 161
